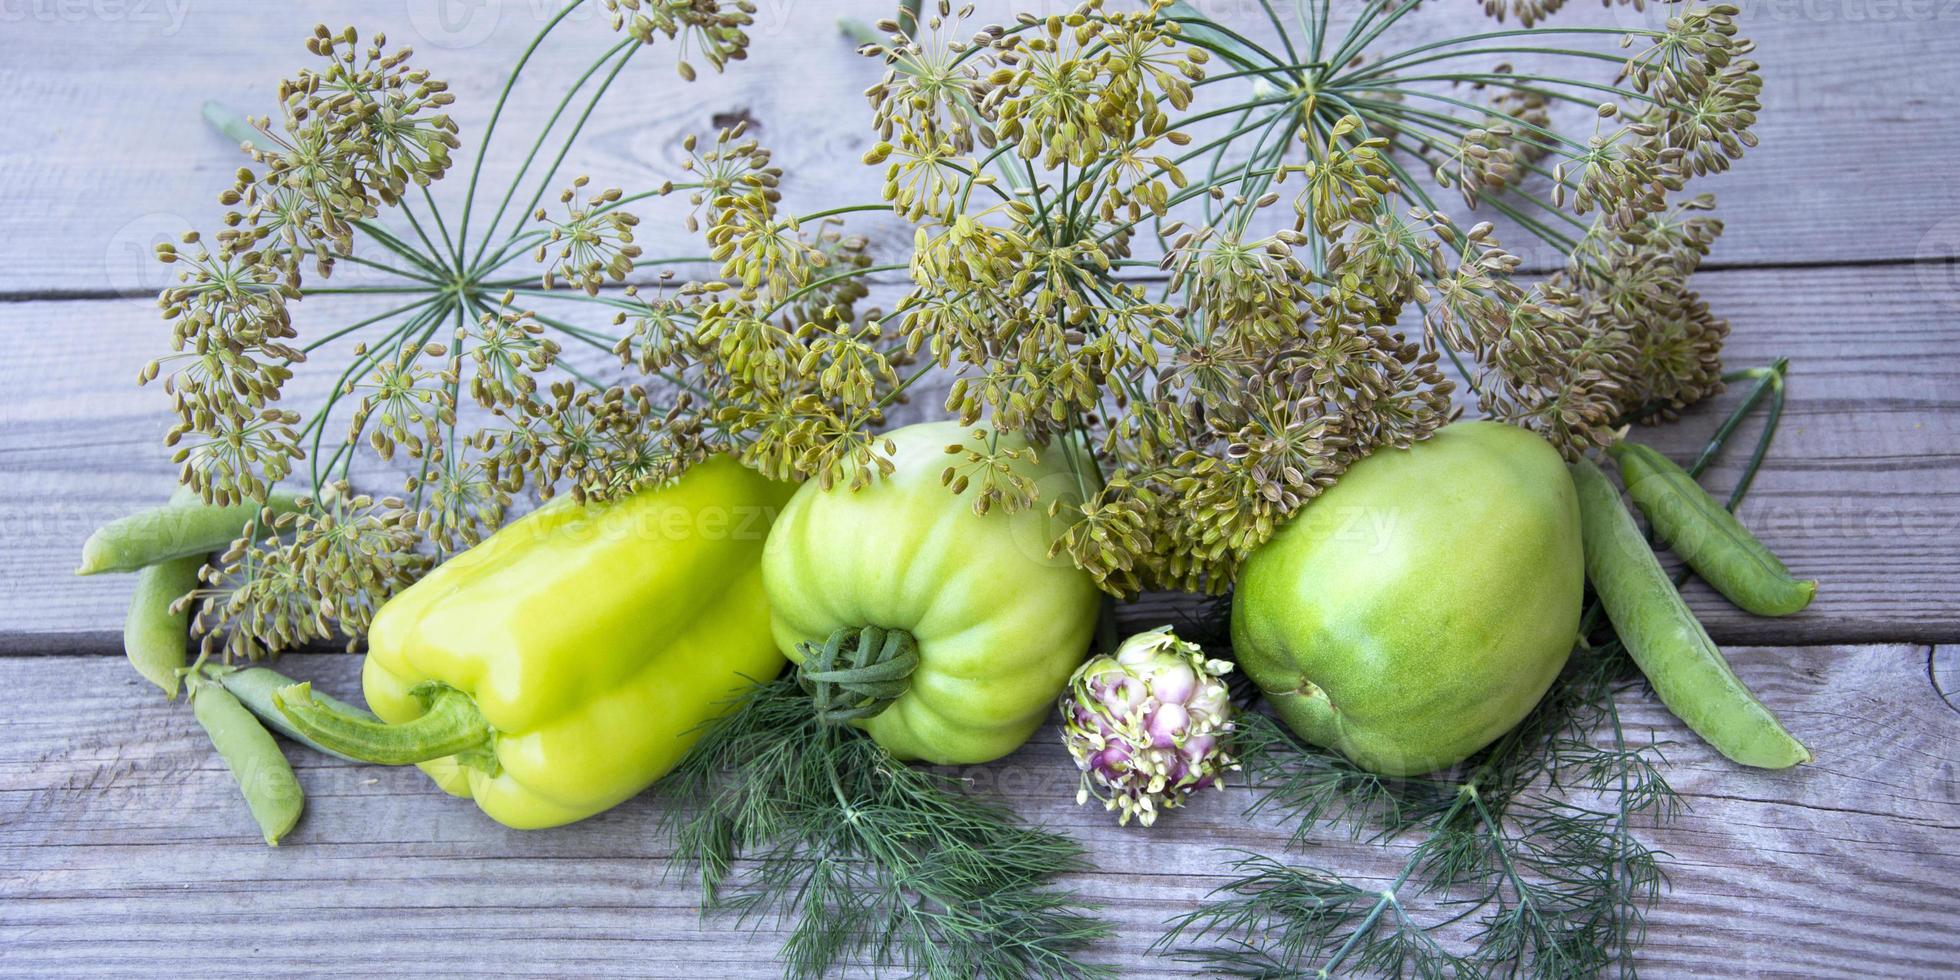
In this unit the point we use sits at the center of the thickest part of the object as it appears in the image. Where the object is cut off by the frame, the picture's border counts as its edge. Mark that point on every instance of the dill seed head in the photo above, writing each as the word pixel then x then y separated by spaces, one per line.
pixel 1046 167
pixel 713 30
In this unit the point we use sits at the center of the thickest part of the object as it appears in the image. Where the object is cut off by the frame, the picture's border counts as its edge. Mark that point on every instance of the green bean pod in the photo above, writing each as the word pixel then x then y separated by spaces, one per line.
pixel 186 526
pixel 254 687
pixel 263 775
pixel 155 637
pixel 1680 661
pixel 1709 538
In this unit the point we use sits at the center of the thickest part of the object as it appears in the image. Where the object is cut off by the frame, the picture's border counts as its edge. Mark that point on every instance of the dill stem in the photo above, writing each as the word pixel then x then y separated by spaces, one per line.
pixel 816 284
pixel 1388 894
pixel 1390 61
pixel 441 225
pixel 544 182
pixel 397 246
pixel 377 351
pixel 369 263
pixel 893 395
pixel 1365 30
pixel 1285 39
pixel 1765 378
pixel 845 209
pixel 1222 30
pixel 377 318
pixel 538 144
pixel 435 254
pixel 483 148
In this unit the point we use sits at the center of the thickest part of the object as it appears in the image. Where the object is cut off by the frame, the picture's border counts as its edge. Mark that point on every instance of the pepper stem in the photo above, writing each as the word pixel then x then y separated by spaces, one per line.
pixel 858 672
pixel 450 725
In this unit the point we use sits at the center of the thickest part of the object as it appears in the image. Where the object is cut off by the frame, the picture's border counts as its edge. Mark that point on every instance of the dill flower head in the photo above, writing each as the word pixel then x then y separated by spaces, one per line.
pixel 1204 259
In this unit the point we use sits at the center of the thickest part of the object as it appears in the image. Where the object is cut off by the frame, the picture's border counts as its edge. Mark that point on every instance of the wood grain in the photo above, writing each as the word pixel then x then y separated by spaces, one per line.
pixel 1943 673
pixel 107 144
pixel 123 847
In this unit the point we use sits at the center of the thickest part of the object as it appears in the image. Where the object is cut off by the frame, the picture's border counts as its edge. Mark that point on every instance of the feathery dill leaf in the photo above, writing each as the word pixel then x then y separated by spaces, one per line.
pixel 876 862
pixel 1532 843
pixel 1548 875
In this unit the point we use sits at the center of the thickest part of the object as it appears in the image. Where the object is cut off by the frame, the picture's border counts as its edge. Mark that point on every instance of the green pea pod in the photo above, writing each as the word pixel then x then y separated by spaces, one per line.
pixel 155 636
pixel 264 777
pixel 254 687
pixel 186 526
pixel 1707 536
pixel 1680 661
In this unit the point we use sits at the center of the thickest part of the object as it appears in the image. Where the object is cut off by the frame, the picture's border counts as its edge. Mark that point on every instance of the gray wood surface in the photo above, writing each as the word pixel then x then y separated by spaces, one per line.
pixel 104 133
pixel 122 846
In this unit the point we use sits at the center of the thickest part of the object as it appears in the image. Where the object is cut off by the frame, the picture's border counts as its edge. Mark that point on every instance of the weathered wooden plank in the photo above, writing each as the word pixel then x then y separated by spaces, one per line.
pixel 1855 492
pixel 1943 672
pixel 122 847
pixel 107 154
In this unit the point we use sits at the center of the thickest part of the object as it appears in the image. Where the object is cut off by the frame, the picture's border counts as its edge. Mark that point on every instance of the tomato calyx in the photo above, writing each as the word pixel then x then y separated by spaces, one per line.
pixel 857 672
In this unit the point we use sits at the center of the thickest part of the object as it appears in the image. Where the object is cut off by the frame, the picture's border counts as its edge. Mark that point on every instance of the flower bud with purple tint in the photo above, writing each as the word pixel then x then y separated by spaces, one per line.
pixel 1148 725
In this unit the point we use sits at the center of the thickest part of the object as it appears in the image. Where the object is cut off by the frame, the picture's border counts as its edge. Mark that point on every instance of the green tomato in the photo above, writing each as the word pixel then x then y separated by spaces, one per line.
pixel 1421 606
pixel 998 624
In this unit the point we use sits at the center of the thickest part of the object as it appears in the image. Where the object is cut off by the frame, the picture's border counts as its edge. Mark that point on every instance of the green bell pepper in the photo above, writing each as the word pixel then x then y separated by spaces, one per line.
pixel 944 633
pixel 570 660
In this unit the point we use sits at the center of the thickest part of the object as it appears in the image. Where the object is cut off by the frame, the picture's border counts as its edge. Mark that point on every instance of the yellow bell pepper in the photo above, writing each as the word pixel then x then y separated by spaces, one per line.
pixel 570 660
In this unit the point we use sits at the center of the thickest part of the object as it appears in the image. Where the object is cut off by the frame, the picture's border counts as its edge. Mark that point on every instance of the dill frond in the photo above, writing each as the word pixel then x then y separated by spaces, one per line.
pixel 875 862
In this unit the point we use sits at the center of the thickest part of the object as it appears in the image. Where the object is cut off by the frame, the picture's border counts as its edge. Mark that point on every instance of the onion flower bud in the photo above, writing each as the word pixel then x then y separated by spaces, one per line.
pixel 1148 725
